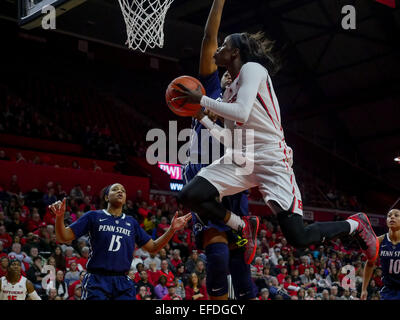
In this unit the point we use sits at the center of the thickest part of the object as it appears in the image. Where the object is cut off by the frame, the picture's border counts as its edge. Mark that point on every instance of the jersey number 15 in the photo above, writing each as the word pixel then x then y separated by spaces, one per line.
pixel 115 240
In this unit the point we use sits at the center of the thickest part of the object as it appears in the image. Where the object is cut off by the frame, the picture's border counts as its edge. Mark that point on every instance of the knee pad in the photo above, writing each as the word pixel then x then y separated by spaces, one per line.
pixel 217 269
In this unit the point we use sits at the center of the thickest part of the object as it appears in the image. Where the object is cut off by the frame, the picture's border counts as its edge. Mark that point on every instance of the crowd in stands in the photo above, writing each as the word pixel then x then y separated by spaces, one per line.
pixel 177 272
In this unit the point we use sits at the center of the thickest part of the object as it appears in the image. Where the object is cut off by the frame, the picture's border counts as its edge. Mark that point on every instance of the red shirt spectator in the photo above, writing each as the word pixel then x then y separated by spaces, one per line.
pixel 282 275
pixel 49 218
pixel 290 286
pixel 3 266
pixel 153 276
pixel 162 227
pixel 164 271
pixel 5 238
pixel 195 291
pixel 34 222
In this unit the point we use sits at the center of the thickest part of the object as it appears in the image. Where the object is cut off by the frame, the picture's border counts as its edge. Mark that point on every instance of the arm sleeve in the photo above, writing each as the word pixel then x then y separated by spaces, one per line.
pixel 81 226
pixel 34 296
pixel 217 131
pixel 250 78
pixel 141 236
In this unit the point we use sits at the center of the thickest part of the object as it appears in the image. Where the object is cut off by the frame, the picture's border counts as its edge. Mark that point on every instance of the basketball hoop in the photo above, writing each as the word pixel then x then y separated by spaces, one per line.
pixel 144 21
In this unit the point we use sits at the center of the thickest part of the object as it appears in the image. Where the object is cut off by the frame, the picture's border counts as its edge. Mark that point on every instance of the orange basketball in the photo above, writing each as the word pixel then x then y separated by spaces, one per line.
pixel 179 107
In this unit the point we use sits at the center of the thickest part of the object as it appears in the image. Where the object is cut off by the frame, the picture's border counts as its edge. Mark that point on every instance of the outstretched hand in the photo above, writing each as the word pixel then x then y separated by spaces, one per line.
pixel 179 223
pixel 188 96
pixel 58 208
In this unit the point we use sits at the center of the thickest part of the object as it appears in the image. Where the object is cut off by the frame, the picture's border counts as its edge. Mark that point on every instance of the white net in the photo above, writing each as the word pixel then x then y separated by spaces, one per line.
pixel 144 22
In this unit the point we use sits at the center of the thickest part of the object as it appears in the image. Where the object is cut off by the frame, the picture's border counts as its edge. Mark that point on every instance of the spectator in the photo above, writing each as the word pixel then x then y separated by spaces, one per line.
pixel 16 253
pixel 60 259
pixel 144 282
pixel 51 294
pixel 142 293
pixel 301 294
pixel 15 223
pixel 161 289
pixel 310 294
pixel 73 274
pixel 34 222
pixel 281 276
pixel 49 197
pixel 162 226
pixel 14 188
pixel 3 156
pixel 5 238
pixel 325 294
pixel 77 293
pixel 71 287
pixel 61 286
pixel 190 264
pixel 176 259
pixel 3 266
pixel 82 261
pixel 195 290
pixel 180 288
pixel 153 273
pixel 139 269
pixel 69 257
pixel 264 294
pixel 200 270
pixel 166 272
pixel 291 287
pixel 153 258
pixel 172 295
pixel 305 278
pixel 34 274
pixel 77 193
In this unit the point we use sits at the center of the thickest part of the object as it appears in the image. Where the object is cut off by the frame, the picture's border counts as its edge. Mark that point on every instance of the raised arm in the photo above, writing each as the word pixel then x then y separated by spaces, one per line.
pixel 210 40
pixel 153 246
pixel 250 78
pixel 63 234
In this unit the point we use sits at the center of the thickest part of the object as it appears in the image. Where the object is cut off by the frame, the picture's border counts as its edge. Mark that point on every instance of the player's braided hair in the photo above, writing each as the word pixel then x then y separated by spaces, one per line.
pixel 257 48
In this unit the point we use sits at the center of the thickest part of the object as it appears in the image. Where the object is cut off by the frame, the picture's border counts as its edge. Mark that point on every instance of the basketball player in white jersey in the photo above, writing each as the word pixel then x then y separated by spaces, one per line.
pixel 250 103
pixel 14 286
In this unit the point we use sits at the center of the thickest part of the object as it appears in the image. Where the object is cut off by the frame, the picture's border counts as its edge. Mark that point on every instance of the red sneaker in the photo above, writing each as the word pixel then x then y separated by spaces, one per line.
pixel 249 232
pixel 366 236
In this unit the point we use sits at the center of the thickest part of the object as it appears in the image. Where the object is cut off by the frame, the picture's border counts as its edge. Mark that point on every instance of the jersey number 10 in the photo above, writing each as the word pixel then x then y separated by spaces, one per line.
pixel 115 239
pixel 394 266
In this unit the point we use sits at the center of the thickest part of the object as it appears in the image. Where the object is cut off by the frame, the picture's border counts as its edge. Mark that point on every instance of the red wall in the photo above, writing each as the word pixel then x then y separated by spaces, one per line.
pixel 39 144
pixel 61 160
pixel 36 176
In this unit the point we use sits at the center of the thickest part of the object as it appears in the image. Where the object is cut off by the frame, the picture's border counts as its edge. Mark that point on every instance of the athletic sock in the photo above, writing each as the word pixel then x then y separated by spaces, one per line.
pixel 235 222
pixel 353 225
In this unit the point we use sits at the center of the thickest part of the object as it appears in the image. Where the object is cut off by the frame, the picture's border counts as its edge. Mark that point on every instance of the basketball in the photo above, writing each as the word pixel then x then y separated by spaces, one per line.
pixel 179 107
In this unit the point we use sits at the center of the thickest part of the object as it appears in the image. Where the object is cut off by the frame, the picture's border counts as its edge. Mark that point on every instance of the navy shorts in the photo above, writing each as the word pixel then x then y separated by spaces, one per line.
pixel 390 294
pixel 105 287
pixel 237 203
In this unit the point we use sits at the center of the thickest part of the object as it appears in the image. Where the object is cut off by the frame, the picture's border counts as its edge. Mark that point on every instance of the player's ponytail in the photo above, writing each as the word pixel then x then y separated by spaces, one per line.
pixel 257 48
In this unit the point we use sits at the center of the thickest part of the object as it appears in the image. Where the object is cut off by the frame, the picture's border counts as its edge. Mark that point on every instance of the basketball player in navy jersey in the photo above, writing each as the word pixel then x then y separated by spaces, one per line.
pixel 216 237
pixel 112 236
pixel 389 257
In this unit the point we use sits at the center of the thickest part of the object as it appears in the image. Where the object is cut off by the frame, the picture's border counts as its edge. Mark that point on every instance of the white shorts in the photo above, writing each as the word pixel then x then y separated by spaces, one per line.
pixel 271 172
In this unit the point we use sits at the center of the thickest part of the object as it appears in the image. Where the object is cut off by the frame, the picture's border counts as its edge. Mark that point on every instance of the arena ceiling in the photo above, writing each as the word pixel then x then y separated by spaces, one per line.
pixel 339 89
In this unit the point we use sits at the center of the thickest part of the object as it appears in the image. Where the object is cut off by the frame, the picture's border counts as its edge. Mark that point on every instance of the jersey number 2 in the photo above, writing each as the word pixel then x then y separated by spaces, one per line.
pixel 115 239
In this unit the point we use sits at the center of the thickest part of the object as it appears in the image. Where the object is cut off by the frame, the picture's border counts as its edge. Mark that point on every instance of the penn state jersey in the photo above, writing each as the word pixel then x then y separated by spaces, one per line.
pixel 389 256
pixel 15 291
pixel 112 239
pixel 198 146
